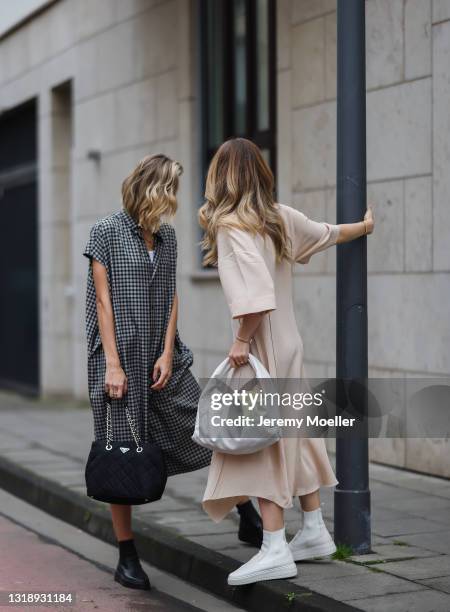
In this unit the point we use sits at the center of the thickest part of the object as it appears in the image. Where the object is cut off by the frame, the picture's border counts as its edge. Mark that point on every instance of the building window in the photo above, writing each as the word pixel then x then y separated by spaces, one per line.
pixel 238 73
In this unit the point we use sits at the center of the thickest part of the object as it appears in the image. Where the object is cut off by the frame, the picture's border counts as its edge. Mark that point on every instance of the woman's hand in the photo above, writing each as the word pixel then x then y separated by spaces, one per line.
pixel 162 371
pixel 238 354
pixel 369 220
pixel 116 384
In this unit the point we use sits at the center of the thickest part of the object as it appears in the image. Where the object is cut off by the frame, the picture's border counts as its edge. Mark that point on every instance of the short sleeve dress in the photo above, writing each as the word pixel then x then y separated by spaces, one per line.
pixel 142 294
pixel 253 281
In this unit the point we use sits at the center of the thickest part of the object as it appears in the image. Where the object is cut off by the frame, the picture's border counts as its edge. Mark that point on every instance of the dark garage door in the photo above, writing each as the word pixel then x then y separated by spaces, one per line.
pixel 19 337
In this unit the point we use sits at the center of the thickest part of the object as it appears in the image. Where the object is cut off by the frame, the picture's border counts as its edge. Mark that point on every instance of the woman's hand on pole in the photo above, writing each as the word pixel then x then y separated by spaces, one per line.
pixel 352 231
pixel 369 220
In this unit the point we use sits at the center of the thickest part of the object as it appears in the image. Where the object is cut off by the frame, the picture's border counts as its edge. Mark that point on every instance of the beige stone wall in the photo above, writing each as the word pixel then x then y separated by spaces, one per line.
pixel 408 135
pixel 130 68
pixel 131 65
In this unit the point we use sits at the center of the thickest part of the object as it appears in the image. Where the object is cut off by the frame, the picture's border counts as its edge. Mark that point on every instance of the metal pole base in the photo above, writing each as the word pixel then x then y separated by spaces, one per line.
pixel 352 520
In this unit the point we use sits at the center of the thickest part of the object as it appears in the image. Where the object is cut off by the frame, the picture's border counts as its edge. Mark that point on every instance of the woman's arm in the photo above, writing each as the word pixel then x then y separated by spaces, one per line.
pixel 162 370
pixel 169 340
pixel 351 231
pixel 115 379
pixel 240 348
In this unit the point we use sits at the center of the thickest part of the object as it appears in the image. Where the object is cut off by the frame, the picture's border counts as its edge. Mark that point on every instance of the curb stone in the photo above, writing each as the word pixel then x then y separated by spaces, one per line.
pixel 163 547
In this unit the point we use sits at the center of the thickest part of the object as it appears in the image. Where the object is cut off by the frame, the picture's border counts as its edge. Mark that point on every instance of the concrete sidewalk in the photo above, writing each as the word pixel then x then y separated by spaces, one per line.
pixel 43 447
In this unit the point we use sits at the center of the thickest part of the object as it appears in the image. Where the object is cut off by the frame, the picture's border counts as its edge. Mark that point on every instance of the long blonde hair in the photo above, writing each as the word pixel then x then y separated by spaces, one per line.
pixel 240 193
pixel 149 192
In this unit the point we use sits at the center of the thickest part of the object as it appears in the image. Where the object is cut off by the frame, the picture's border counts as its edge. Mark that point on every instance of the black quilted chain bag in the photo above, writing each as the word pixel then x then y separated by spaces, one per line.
pixel 123 472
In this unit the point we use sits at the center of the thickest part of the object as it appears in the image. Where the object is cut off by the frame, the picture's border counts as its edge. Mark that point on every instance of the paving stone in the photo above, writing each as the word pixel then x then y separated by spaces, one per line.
pixel 225 542
pixel 177 519
pixel 379 540
pixel 293 514
pixel 416 601
pixel 240 553
pixel 166 504
pixel 440 584
pixel 368 584
pixel 431 567
pixel 205 527
pixel 404 526
pixel 436 541
pixel 79 488
pixel 418 506
pixel 11 443
pixel 385 552
pixel 51 469
pixel 186 492
pixel 384 492
pixel 399 480
pixel 67 477
pixel 328 569
pixel 385 514
pixel 441 516
pixel 29 455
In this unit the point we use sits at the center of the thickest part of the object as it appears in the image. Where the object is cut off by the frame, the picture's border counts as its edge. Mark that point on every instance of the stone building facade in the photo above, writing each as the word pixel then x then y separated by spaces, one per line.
pixel 113 80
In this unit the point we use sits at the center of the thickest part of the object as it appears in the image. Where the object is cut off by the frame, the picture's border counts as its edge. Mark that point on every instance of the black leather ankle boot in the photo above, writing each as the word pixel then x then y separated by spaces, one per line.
pixel 129 572
pixel 250 525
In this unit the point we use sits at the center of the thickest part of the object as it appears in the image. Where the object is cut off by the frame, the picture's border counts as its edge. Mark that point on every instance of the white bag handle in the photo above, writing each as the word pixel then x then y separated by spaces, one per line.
pixel 233 445
pixel 225 369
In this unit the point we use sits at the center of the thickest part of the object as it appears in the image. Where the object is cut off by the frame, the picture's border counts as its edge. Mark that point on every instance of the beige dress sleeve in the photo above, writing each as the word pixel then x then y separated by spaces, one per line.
pixel 309 237
pixel 244 275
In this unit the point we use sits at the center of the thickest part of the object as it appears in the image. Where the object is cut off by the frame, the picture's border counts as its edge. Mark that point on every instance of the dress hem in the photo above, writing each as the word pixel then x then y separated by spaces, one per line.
pixel 237 496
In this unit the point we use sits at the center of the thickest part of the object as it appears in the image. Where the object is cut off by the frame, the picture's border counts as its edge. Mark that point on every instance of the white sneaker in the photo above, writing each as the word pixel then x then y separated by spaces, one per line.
pixel 273 561
pixel 313 540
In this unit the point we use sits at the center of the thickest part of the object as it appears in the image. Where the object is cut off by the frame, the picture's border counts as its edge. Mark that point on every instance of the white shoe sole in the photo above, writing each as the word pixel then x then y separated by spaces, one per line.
pixel 324 550
pixel 284 571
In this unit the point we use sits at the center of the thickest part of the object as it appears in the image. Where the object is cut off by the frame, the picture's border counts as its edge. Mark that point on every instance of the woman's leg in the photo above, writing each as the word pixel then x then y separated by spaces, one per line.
pixel 313 540
pixel 272 515
pixel 311 501
pixel 121 520
pixel 274 560
pixel 129 572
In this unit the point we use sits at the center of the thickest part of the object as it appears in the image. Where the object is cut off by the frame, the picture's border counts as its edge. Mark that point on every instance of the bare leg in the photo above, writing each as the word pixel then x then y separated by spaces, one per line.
pixel 310 502
pixel 275 559
pixel 313 539
pixel 129 572
pixel 121 519
pixel 272 515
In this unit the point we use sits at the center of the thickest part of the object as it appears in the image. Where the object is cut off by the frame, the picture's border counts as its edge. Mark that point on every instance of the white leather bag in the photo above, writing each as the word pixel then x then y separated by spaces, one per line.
pixel 244 443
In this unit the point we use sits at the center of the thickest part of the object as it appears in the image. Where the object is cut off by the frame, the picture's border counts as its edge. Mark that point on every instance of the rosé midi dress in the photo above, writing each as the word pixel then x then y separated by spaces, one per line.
pixel 254 282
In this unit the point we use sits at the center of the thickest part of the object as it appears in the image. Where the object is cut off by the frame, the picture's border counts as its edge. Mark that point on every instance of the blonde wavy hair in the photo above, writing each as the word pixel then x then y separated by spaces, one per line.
pixel 149 192
pixel 240 193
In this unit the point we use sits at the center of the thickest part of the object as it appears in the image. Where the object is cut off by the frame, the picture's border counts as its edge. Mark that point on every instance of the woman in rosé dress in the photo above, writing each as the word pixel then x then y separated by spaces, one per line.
pixel 255 243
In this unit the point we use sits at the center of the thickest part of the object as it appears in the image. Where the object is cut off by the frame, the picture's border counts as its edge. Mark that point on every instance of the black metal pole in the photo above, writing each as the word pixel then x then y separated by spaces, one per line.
pixel 352 495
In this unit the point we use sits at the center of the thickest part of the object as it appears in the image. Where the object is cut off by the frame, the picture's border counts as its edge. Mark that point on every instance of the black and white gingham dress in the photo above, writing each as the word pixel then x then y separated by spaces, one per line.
pixel 142 295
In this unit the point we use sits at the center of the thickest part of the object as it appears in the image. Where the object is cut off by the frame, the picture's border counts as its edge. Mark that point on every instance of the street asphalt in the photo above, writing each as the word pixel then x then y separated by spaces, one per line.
pixel 46 555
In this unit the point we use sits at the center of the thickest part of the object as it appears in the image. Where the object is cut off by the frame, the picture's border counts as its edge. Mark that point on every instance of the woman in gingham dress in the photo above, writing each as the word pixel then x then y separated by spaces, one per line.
pixel 135 354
